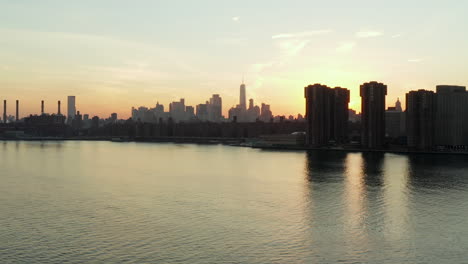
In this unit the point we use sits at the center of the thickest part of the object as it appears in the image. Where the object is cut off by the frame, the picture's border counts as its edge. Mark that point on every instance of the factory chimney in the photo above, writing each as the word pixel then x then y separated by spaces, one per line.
pixel 58 110
pixel 17 110
pixel 42 107
pixel 4 111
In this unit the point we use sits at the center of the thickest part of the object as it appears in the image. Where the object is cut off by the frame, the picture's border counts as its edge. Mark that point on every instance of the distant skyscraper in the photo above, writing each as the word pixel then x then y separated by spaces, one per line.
pixel 452 116
pixel 215 110
pixel 177 110
pixel 265 113
pixel 398 105
pixel 420 119
pixel 253 112
pixel 202 111
pixel 327 114
pixel 242 98
pixel 71 108
pixel 159 108
pixel 394 121
pixel 373 114
pixel 190 112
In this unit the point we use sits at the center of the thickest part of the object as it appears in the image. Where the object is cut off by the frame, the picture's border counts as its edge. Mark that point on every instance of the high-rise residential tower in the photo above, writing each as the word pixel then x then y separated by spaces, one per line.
pixel 340 113
pixel 317 114
pixel 71 108
pixel 420 119
pixel 451 116
pixel 327 114
pixel 373 114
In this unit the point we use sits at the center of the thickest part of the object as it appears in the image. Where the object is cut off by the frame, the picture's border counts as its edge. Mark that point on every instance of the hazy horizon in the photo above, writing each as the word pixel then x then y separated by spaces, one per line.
pixel 114 55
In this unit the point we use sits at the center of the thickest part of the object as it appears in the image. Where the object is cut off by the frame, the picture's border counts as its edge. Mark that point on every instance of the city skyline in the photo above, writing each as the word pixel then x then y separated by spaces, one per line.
pixel 109 58
pixel 13 110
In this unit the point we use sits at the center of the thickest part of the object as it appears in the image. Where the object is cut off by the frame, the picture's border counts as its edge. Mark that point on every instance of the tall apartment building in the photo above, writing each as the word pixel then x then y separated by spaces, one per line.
pixel 326 114
pixel 420 119
pixel 451 116
pixel 373 114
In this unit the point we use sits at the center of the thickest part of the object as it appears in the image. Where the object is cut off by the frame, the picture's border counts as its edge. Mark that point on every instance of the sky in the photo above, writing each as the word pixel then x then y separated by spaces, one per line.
pixel 115 54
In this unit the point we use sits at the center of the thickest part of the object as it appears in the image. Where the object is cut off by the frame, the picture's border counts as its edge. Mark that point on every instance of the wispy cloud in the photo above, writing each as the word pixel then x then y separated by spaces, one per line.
pixel 415 60
pixel 235 19
pixel 301 34
pixel 259 67
pixel 368 34
pixel 396 36
pixel 288 50
pixel 346 46
pixel 292 48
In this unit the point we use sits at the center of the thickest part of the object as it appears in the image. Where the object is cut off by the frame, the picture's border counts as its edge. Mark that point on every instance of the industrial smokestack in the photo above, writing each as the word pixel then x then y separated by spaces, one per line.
pixel 4 111
pixel 17 110
pixel 58 110
pixel 42 107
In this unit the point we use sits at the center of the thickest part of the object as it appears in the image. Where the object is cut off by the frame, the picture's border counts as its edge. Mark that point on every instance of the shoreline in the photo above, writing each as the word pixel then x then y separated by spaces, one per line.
pixel 235 142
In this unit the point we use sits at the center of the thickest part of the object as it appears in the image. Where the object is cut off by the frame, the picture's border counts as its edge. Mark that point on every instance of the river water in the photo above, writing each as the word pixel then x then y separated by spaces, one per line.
pixel 104 202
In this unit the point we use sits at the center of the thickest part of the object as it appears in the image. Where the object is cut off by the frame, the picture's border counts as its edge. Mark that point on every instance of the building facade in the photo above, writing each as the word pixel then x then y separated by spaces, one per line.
pixel 395 121
pixel 373 114
pixel 326 114
pixel 71 108
pixel 242 97
pixel 420 119
pixel 452 116
pixel 340 108
pixel 215 111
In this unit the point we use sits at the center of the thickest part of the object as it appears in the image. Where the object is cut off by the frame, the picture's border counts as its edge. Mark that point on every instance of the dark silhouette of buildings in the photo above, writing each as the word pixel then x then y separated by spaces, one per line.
pixel 317 114
pixel 373 114
pixel 45 120
pixel 420 119
pixel 326 114
pixel 113 117
pixel 340 113
pixel 452 116
pixel 77 122
pixel 202 111
pixel 395 123
pixel 95 122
